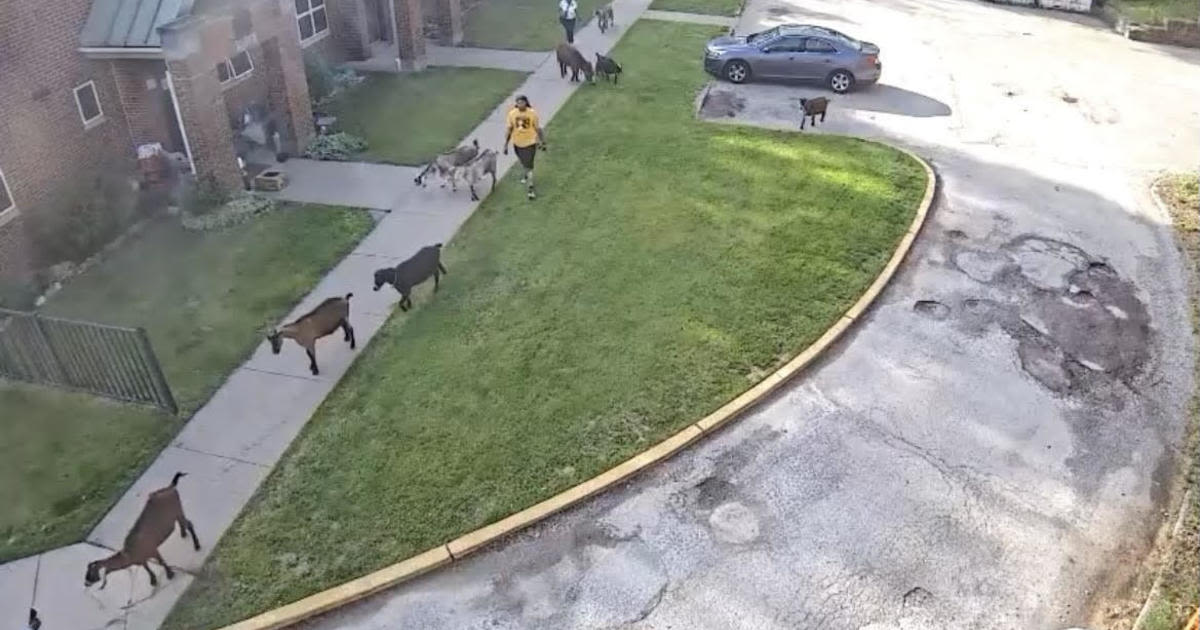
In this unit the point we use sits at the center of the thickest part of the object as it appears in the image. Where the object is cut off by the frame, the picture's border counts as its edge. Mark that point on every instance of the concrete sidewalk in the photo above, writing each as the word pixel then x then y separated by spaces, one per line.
pixel 230 445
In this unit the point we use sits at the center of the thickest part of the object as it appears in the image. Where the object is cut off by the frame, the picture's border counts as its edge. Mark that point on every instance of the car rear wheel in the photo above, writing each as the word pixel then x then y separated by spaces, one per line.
pixel 737 71
pixel 840 81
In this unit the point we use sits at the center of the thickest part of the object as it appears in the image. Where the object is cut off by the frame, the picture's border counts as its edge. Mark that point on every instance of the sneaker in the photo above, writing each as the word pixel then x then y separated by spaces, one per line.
pixel 532 195
pixel 523 179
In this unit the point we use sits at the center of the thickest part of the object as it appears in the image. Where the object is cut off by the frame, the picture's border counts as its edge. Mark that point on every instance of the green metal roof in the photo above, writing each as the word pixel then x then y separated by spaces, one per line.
pixel 130 23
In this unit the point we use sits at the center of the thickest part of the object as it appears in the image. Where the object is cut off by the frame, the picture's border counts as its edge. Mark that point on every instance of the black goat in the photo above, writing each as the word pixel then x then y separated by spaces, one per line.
pixel 810 107
pixel 607 67
pixel 408 274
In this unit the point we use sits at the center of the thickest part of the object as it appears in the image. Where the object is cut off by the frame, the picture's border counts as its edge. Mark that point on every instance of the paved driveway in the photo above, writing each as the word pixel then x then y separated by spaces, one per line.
pixel 992 447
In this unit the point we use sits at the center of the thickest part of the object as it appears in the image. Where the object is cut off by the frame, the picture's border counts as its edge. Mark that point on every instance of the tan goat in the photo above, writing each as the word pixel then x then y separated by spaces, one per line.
pixel 330 315
pixel 156 522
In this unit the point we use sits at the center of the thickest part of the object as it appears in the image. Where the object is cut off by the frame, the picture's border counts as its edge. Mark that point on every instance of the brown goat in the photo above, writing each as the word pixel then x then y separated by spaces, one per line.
pixel 570 57
pixel 156 522
pixel 330 315
pixel 810 107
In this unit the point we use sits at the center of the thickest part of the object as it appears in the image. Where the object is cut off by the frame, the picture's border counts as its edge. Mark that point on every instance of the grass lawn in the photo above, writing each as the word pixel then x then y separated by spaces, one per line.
pixel 523 24
pixel 205 300
pixel 1180 592
pixel 409 118
pixel 1155 11
pixel 667 265
pixel 707 7
pixel 63 459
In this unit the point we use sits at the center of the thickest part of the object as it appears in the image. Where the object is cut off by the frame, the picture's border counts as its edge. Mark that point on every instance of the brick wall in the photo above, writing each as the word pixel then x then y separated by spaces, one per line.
pixel 147 102
pixel 14 250
pixel 410 31
pixel 346 24
pixel 46 150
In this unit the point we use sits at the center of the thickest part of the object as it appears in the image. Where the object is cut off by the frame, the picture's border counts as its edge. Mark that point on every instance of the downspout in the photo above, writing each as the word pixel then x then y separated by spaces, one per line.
pixel 187 146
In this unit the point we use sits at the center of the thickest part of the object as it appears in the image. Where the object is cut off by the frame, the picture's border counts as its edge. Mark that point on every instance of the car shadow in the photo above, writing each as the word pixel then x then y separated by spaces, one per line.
pixel 889 99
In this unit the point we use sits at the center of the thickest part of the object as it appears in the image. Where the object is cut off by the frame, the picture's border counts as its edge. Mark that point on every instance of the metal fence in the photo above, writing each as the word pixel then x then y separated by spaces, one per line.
pixel 106 360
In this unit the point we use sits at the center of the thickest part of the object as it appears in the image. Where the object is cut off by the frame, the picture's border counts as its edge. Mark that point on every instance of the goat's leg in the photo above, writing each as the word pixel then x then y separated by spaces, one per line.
pixel 349 330
pixel 803 117
pixel 166 567
pixel 153 580
pixel 312 361
pixel 474 197
pixel 493 173
pixel 404 302
pixel 185 528
pixel 822 115
pixel 442 267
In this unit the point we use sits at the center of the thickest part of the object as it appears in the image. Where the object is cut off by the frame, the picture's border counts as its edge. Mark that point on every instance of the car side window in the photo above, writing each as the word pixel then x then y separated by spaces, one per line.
pixel 815 45
pixel 786 44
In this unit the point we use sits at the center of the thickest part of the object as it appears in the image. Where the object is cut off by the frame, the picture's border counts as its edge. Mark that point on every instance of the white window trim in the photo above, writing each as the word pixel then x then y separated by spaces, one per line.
pixel 99 118
pixel 317 35
pixel 233 76
pixel 9 213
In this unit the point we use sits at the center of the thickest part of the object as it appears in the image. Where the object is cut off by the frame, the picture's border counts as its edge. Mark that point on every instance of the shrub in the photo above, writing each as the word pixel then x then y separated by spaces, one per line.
pixel 204 196
pixel 335 146
pixel 238 210
pixel 320 78
pixel 86 218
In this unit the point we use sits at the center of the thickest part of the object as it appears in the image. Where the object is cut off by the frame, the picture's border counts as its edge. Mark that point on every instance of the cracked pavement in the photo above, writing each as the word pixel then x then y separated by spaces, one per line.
pixel 991 446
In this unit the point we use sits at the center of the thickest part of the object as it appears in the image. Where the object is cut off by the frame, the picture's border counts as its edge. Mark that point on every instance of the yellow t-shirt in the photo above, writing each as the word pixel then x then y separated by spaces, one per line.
pixel 523 126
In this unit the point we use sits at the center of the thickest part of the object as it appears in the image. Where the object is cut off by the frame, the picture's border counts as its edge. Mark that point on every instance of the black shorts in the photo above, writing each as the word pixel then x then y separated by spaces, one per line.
pixel 526 155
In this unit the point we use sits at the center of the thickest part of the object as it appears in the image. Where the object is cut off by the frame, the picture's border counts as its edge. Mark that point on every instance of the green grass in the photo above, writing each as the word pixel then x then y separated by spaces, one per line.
pixel 522 24
pixel 63 459
pixel 409 118
pixel 1155 11
pixel 707 7
pixel 667 266
pixel 205 300
pixel 1180 590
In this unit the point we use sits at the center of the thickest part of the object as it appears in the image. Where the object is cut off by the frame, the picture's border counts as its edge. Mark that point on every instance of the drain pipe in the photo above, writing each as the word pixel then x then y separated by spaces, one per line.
pixel 187 146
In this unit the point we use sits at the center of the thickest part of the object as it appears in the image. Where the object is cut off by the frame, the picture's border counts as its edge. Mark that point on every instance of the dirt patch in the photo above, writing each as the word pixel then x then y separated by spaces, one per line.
pixel 932 309
pixel 718 103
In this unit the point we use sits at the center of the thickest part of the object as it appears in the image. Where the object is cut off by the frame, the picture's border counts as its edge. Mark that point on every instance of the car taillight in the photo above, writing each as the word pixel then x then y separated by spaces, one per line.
pixel 872 59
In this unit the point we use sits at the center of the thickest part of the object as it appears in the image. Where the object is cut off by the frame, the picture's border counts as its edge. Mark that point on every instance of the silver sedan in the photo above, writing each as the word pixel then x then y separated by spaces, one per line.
pixel 795 52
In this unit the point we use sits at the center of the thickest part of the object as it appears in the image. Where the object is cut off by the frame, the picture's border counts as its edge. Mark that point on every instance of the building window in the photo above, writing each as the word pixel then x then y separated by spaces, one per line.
pixel 89 104
pixel 235 67
pixel 6 200
pixel 310 17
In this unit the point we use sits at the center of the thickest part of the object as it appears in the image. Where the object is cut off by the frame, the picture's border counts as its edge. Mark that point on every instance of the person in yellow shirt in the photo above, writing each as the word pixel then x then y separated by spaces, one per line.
pixel 525 133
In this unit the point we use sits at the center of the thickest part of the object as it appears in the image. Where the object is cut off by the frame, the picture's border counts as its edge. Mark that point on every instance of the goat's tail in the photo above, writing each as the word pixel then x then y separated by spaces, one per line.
pixel 348 296
pixel 475 142
pixel 437 245
pixel 176 478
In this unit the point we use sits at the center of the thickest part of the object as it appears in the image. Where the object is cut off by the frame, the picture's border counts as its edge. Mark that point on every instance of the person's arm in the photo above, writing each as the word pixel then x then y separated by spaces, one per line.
pixel 537 126
pixel 507 135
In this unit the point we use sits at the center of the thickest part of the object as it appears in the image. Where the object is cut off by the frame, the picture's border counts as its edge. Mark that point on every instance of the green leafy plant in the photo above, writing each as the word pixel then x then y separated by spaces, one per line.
pixel 335 146
pixel 238 210
pixel 205 196
pixel 85 219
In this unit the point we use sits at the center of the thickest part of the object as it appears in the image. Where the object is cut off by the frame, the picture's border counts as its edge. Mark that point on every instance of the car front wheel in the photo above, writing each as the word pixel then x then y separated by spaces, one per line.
pixel 737 71
pixel 841 81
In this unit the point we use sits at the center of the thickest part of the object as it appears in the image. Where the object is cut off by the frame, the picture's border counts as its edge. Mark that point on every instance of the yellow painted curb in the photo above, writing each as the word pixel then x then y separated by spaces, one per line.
pixel 441 555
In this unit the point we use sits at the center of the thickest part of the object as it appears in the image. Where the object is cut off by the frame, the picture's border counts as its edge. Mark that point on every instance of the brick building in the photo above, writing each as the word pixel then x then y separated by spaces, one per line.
pixel 85 82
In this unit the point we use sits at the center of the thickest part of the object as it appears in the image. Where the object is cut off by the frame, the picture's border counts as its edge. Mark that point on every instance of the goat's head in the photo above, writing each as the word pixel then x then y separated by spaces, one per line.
pixel 95 571
pixel 276 340
pixel 382 277
pixel 803 103
pixel 588 72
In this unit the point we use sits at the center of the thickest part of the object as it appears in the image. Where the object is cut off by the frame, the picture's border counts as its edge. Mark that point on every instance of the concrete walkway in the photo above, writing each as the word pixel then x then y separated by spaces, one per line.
pixel 461 57
pixel 230 445
pixel 691 18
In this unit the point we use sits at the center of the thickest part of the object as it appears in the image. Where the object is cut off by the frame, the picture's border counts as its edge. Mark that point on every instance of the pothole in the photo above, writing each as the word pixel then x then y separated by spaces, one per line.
pixel 734 523
pixel 917 596
pixel 932 309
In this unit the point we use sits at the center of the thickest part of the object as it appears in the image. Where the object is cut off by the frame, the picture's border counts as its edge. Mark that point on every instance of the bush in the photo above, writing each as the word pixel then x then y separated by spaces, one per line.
pixel 239 210
pixel 86 219
pixel 205 196
pixel 335 146
pixel 325 82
